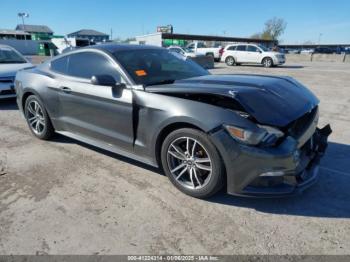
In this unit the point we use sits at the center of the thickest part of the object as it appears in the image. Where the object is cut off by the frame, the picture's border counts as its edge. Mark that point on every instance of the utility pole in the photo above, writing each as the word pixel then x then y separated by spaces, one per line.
pixel 319 38
pixel 111 34
pixel 23 15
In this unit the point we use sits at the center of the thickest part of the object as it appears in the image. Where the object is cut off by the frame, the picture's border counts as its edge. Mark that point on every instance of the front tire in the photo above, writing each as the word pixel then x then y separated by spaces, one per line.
pixel 37 118
pixel 192 163
pixel 267 62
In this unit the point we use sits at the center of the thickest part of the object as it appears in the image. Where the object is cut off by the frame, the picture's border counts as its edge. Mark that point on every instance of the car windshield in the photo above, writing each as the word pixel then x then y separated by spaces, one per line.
pixel 263 48
pixel 8 56
pixel 157 66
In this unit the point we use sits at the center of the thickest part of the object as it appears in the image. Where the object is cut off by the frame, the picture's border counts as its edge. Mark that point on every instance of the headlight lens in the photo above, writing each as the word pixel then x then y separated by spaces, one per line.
pixel 265 135
pixel 272 134
pixel 245 136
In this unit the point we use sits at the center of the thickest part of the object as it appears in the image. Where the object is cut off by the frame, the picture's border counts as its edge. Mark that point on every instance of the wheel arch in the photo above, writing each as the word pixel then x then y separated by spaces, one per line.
pixel 165 131
pixel 210 54
pixel 28 92
pixel 262 60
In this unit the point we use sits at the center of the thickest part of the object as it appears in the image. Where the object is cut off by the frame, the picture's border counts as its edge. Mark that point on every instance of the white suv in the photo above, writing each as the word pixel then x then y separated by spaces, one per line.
pixel 249 53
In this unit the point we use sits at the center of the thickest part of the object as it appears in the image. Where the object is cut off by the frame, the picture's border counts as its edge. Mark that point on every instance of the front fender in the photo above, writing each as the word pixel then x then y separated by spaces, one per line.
pixel 157 111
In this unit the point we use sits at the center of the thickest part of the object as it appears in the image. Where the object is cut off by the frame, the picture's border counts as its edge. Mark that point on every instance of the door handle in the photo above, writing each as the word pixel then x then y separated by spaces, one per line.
pixel 65 89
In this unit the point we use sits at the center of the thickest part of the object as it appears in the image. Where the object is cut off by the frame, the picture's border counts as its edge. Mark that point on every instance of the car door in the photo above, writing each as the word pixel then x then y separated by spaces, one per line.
pixel 96 112
pixel 253 54
pixel 241 54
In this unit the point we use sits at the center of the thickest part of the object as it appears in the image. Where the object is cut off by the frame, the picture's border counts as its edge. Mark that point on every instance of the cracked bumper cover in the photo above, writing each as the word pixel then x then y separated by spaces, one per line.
pixel 245 165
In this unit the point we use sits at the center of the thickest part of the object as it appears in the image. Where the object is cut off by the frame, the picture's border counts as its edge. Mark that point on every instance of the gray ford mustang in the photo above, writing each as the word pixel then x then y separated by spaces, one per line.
pixel 254 135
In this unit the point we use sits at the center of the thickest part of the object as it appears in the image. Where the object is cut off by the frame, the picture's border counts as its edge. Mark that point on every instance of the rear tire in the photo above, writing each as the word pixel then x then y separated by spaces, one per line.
pixel 37 118
pixel 192 163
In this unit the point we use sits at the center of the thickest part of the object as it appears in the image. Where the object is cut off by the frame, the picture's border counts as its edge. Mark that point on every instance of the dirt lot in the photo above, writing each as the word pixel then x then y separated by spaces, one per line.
pixel 64 197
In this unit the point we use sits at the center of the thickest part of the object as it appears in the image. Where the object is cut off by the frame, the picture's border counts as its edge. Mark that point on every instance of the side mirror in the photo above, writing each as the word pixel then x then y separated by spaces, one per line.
pixel 103 80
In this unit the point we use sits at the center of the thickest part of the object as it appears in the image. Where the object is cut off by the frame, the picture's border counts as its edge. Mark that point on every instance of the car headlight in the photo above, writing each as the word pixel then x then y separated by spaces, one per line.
pixel 265 135
pixel 272 134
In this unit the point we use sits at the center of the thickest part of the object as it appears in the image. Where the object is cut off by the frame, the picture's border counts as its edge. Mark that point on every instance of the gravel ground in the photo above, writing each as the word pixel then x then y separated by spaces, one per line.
pixel 64 197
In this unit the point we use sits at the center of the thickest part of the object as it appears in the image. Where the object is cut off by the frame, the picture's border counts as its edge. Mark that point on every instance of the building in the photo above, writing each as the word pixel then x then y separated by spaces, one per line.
pixel 167 39
pixel 91 35
pixel 8 34
pixel 37 32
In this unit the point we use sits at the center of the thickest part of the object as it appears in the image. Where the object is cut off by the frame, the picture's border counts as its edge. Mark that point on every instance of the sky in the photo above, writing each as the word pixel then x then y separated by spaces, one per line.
pixel 324 21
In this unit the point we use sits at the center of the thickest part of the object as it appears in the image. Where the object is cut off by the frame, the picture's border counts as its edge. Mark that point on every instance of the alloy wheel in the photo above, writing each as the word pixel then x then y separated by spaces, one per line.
pixel 35 117
pixel 267 62
pixel 230 61
pixel 189 163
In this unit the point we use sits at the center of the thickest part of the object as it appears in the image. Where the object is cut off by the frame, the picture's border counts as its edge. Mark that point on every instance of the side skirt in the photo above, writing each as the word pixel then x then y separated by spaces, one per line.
pixel 108 147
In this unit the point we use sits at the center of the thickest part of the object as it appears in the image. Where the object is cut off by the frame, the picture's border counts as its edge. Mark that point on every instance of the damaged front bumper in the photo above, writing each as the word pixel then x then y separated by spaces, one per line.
pixel 286 169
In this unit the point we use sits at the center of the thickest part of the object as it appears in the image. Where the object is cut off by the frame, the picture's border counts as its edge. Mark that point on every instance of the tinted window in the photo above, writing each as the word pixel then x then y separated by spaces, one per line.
pixel 241 48
pixel 252 48
pixel 87 64
pixel 154 66
pixel 232 48
pixel 60 65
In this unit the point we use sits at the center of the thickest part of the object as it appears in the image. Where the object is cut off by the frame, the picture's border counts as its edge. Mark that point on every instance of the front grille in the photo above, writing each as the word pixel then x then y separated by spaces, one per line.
pixel 7 92
pixel 299 126
pixel 6 79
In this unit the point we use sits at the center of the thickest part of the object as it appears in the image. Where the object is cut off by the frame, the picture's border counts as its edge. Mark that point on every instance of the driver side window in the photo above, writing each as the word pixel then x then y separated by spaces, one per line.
pixel 87 64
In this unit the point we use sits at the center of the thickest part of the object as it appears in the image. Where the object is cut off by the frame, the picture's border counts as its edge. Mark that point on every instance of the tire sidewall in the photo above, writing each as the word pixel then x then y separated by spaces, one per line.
pixel 227 61
pixel 47 131
pixel 216 181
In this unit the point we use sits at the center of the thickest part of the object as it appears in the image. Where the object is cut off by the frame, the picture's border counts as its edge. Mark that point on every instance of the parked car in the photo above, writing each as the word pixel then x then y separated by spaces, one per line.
pixel 183 51
pixel 324 50
pixel 204 61
pixel 307 51
pixel 255 135
pixel 10 62
pixel 253 54
pixel 202 49
pixel 293 51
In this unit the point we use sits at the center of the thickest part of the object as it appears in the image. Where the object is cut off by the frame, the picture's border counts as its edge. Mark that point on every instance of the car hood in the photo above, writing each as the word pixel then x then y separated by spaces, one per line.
pixel 271 100
pixel 273 53
pixel 10 70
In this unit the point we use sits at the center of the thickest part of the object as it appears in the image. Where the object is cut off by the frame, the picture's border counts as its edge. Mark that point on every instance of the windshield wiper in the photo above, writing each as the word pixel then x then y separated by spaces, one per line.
pixel 163 82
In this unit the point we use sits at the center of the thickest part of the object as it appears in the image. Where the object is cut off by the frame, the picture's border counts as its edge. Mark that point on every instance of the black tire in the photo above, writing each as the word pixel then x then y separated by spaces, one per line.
pixel 212 180
pixel 267 62
pixel 210 54
pixel 230 61
pixel 45 129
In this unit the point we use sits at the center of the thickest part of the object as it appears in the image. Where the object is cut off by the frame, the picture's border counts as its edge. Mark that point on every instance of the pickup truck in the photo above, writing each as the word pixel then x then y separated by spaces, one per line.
pixel 201 49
